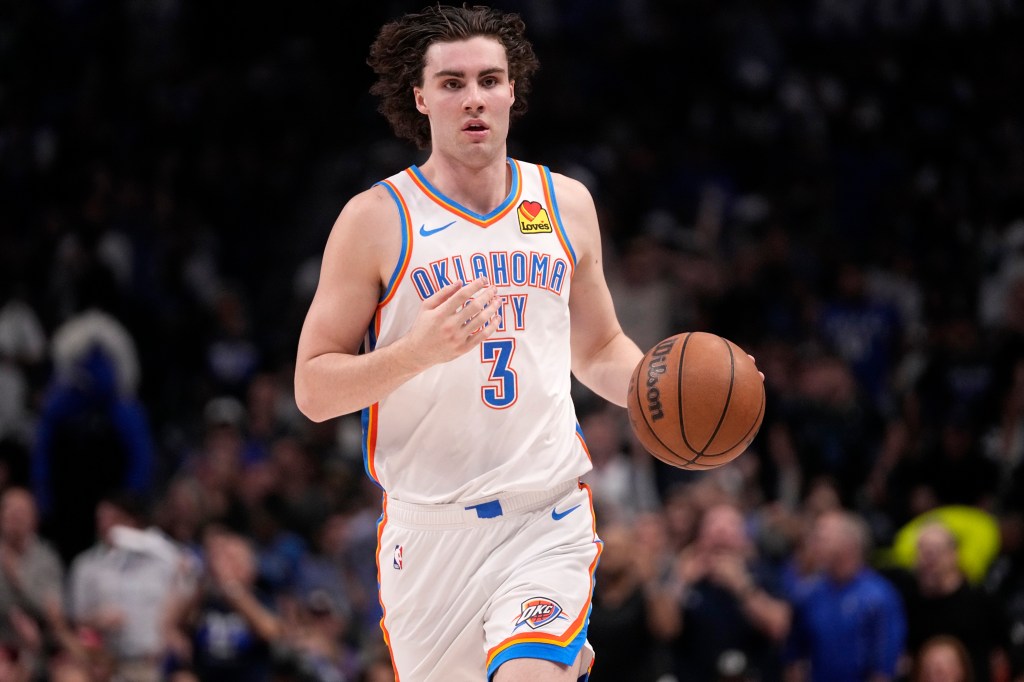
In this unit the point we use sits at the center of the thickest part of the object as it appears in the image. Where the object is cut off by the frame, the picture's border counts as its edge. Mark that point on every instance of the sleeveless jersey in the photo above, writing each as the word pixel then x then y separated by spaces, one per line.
pixel 499 418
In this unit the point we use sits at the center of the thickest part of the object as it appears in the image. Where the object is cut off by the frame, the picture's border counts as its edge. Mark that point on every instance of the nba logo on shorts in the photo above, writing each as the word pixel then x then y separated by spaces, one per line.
pixel 538 612
pixel 398 558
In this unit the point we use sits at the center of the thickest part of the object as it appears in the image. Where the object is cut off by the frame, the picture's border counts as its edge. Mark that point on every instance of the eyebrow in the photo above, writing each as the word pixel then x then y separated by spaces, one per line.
pixel 450 73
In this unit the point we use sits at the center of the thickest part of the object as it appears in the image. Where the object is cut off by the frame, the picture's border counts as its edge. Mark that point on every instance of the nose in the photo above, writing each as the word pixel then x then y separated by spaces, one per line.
pixel 474 100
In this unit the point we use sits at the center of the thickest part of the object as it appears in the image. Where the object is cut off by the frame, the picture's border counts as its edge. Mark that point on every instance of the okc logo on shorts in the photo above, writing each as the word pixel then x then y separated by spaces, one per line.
pixel 398 558
pixel 538 612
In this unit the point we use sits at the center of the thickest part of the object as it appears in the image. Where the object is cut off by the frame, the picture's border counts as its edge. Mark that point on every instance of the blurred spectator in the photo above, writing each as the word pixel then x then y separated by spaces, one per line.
pixel 22 337
pixel 848 624
pixel 635 611
pixel 180 512
pixel 944 467
pixel 835 429
pixel 732 607
pixel 622 479
pixel 123 587
pixel 298 479
pixel 958 378
pixel 321 648
pixel 1005 583
pixel 231 356
pixel 864 330
pixel 648 306
pixel 321 569
pixel 23 658
pixel 279 550
pixel 939 600
pixel 232 626
pixel 217 464
pixel 943 658
pixel 31 573
pixel 93 434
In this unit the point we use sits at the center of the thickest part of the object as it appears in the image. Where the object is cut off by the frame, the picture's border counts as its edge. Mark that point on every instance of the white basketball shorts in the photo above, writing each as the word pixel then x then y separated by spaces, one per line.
pixel 467 587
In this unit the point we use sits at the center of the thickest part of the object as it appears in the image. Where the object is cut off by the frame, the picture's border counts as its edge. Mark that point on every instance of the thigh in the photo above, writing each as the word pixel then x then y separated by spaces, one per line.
pixel 541 610
pixel 433 597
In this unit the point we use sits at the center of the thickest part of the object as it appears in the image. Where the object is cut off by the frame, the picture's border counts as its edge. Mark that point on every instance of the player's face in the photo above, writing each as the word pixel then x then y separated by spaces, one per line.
pixel 467 94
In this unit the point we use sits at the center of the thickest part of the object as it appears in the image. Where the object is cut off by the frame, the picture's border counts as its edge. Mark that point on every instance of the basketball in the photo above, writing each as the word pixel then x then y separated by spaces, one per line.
pixel 696 401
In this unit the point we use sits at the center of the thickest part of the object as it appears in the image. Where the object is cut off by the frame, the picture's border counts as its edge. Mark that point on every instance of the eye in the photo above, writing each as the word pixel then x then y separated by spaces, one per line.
pixel 451 84
pixel 489 82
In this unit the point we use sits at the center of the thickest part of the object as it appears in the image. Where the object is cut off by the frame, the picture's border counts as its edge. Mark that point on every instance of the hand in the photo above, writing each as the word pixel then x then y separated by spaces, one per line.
pixel 691 566
pixel 455 319
pixel 730 571
pixel 109 618
pixel 26 629
pixel 9 565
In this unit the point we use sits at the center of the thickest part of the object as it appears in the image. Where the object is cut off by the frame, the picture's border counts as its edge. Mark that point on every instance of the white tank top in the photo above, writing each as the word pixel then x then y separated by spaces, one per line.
pixel 499 418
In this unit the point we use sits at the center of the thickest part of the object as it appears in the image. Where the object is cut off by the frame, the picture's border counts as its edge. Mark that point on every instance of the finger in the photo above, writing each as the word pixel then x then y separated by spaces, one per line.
pixel 488 328
pixel 469 291
pixel 486 303
pixel 755 362
pixel 443 295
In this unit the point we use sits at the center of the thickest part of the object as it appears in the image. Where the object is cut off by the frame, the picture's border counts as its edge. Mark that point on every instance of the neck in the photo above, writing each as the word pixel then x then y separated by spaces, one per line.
pixel 480 187
pixel 941 585
pixel 845 571
pixel 16 546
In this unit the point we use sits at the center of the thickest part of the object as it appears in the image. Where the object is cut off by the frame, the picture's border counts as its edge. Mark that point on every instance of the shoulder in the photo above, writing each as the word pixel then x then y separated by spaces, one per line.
pixel 368 223
pixel 876 586
pixel 44 553
pixel 372 203
pixel 572 194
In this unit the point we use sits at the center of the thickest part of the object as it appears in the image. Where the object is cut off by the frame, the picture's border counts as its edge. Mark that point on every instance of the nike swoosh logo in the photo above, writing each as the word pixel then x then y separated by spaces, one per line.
pixel 559 516
pixel 426 233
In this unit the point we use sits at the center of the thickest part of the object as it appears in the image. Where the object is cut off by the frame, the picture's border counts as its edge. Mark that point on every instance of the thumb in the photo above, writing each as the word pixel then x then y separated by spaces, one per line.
pixel 442 295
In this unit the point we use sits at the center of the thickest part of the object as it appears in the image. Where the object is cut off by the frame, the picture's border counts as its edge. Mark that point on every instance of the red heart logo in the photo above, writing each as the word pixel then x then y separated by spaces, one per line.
pixel 529 209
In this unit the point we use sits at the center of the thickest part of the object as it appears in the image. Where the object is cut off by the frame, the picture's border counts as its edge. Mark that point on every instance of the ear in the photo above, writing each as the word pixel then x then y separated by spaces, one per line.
pixel 421 105
pixel 512 89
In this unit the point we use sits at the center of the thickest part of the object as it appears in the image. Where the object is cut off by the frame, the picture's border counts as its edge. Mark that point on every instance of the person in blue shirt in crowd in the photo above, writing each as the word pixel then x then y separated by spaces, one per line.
pixel 849 624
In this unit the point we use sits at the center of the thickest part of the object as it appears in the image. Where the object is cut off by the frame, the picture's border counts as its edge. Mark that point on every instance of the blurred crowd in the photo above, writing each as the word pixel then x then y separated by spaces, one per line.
pixel 836 186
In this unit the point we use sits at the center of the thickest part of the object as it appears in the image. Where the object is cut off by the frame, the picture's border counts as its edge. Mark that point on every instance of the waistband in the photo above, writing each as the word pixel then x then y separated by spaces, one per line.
pixel 477 511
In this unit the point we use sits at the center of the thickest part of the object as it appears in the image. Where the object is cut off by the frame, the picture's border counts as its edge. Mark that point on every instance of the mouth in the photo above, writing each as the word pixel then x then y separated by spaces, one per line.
pixel 475 127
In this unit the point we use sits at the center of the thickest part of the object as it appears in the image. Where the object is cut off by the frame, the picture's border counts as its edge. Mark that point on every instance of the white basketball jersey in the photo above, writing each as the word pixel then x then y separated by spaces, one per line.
pixel 499 418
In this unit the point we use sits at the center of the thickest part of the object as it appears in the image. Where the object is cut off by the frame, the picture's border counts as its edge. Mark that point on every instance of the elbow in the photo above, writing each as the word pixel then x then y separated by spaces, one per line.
pixel 306 402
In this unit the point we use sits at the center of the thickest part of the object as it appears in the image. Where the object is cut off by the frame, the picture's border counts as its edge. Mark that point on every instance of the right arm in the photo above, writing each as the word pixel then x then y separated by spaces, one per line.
pixel 331 377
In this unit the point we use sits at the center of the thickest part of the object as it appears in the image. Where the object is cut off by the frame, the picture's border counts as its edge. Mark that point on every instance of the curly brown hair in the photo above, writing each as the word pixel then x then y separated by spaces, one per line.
pixel 397 57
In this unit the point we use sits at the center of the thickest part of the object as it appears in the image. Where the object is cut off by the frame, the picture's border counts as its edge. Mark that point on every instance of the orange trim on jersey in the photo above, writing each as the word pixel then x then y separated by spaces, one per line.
pixel 579 437
pixel 406 255
pixel 383 609
pixel 371 440
pixel 463 213
pixel 549 199
pixel 577 625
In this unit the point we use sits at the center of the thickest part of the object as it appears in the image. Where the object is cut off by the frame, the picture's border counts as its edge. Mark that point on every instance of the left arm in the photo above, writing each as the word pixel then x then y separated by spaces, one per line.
pixel 603 357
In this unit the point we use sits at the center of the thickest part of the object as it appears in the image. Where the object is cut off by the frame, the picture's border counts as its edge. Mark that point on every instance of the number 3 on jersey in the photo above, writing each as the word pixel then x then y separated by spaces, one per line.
pixel 503 393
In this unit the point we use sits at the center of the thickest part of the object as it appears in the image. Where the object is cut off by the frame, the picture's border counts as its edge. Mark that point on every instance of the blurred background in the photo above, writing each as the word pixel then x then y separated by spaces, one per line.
pixel 835 185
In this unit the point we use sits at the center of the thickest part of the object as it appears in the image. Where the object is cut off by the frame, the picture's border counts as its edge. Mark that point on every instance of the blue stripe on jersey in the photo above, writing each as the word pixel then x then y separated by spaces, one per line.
pixel 364 419
pixel 558 215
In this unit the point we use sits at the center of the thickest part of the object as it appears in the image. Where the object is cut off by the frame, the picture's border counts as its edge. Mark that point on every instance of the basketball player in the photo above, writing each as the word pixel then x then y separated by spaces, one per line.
pixel 455 297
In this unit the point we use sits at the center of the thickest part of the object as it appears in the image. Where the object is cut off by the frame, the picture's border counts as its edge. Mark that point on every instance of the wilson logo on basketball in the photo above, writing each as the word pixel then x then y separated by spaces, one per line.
pixel 654 371
pixel 533 219
pixel 538 612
